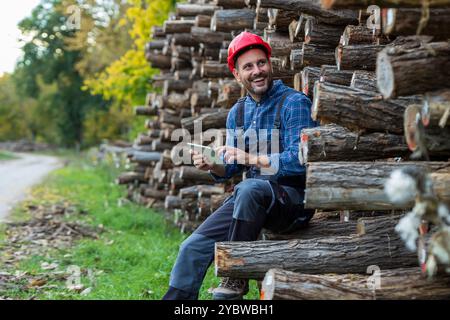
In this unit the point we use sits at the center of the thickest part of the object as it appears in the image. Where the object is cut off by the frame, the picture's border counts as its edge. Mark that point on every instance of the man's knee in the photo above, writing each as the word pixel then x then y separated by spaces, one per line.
pixel 252 189
pixel 252 197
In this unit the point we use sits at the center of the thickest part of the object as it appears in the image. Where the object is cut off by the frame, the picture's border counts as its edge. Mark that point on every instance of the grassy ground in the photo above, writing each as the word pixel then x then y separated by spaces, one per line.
pixel 4 155
pixel 133 257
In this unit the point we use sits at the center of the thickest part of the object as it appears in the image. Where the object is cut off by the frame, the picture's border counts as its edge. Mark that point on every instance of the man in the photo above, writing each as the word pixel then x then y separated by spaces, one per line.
pixel 271 196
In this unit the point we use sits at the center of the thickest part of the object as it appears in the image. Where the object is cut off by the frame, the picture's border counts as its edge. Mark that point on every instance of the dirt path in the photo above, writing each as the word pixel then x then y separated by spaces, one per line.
pixel 17 176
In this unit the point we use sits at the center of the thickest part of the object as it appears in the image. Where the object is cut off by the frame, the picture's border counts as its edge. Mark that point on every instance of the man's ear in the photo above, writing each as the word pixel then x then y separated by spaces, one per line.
pixel 236 75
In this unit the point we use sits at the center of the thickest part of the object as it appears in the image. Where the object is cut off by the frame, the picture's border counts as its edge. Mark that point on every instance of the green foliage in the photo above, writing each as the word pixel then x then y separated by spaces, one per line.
pixel 133 257
pixel 78 86
pixel 127 79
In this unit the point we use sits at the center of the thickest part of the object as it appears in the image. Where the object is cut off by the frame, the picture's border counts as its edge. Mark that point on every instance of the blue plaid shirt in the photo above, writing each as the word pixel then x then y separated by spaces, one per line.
pixel 295 115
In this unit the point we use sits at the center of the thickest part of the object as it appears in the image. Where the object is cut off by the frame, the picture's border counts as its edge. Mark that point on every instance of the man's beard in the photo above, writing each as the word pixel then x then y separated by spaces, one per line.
pixel 259 84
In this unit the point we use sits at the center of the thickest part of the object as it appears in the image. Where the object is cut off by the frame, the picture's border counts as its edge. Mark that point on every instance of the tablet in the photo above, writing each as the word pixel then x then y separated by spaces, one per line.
pixel 206 151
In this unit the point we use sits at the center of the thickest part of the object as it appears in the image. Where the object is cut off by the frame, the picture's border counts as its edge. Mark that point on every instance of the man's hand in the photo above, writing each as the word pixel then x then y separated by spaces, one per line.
pixel 237 155
pixel 201 162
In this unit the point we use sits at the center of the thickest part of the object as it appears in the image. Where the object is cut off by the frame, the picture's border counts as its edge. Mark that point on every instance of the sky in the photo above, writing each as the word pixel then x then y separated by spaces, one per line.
pixel 11 13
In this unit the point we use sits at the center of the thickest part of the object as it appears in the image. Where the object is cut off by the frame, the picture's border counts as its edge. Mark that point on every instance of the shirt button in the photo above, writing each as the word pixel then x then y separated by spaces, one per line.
pixel 254 122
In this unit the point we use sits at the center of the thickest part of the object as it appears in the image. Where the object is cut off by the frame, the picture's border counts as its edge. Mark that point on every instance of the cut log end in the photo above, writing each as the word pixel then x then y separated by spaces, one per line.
pixel 385 76
pixel 412 115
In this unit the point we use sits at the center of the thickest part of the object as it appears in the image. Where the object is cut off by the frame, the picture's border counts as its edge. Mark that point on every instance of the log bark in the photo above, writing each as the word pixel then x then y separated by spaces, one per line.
pixel 316 55
pixel 178 26
pixel 230 4
pixel 158 60
pixel 130 177
pixel 403 22
pixel 436 108
pixel 361 57
pixel 144 111
pixel 230 20
pixel 214 69
pixel 426 141
pixel 316 229
pixel 206 121
pixel 360 185
pixel 280 19
pixel 331 74
pixel 320 33
pixel 415 66
pixel 336 4
pixel 309 76
pixel 217 200
pixel 296 58
pixel 313 8
pixel 364 80
pixel 183 39
pixel 154 194
pixel 344 254
pixel 192 10
pixel 378 226
pixel 354 105
pixel 335 143
pixel 281 44
pixel 298 81
pixel 395 284
pixel 169 117
pixel 191 173
pixel 155 45
pixel 176 86
pixel 203 21
pixel 206 36
pixel 357 35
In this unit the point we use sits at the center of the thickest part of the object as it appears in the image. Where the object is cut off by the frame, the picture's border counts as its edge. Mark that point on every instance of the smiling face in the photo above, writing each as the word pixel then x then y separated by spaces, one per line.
pixel 254 71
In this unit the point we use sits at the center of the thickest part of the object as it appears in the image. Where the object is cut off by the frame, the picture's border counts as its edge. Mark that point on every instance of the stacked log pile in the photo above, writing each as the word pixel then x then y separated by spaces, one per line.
pixel 380 99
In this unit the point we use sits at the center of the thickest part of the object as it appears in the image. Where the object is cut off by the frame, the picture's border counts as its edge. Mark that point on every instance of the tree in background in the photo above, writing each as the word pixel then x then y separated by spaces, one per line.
pixel 46 58
pixel 77 86
pixel 126 81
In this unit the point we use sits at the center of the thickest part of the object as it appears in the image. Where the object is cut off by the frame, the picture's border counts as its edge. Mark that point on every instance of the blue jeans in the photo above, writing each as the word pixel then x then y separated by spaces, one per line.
pixel 255 204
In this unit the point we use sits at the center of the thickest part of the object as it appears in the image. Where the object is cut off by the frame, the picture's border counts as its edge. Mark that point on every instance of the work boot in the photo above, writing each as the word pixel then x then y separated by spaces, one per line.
pixel 231 289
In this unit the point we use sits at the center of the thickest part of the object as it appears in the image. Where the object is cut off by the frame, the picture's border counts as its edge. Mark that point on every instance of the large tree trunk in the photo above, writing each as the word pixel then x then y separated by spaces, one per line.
pixel 360 185
pixel 395 284
pixel 343 254
pixel 312 7
pixel 335 143
pixel 347 106
pixel 404 22
pixel 413 67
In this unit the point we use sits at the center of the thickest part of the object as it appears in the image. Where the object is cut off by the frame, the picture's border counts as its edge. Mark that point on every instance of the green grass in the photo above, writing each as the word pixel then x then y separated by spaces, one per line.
pixel 4 155
pixel 133 257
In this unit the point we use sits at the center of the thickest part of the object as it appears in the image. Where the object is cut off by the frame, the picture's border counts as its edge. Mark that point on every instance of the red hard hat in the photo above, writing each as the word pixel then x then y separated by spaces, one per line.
pixel 243 40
